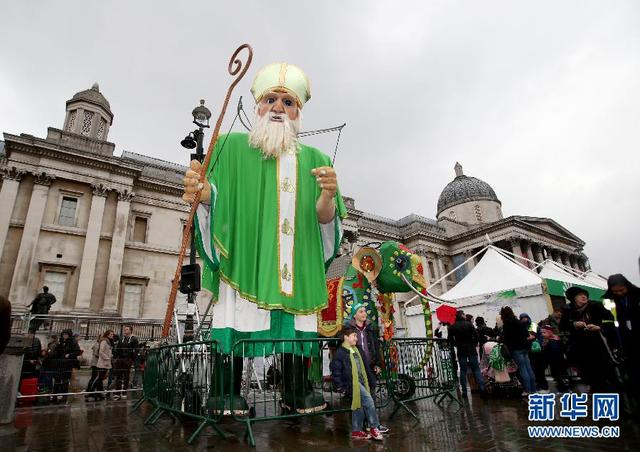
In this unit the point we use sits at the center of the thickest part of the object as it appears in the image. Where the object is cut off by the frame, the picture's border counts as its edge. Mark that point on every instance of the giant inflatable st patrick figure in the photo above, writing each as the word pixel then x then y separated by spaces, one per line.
pixel 268 226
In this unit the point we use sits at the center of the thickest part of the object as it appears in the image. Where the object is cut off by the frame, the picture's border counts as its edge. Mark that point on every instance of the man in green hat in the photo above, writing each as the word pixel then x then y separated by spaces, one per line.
pixel 269 222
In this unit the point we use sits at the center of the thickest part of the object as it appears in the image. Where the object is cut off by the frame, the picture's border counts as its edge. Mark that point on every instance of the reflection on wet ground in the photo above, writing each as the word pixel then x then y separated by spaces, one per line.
pixel 111 426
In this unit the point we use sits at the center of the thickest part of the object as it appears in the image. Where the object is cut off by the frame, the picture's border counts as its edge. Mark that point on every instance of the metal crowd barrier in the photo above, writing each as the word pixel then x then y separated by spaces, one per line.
pixel 88 327
pixel 179 380
pixel 420 368
pixel 280 374
pixel 266 380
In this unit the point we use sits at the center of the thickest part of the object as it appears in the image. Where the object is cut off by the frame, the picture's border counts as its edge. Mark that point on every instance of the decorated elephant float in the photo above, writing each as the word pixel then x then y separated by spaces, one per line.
pixel 374 275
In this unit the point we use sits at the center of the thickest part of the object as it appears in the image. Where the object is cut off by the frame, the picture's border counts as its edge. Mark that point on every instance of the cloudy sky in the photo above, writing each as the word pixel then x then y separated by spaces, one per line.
pixel 539 99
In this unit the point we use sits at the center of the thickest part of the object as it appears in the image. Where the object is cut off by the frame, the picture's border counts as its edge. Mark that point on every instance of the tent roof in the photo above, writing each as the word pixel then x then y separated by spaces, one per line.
pixel 551 270
pixel 494 273
pixel 591 278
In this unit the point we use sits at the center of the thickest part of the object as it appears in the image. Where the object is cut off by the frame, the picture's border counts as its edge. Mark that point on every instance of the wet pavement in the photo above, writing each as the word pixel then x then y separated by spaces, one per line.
pixel 494 424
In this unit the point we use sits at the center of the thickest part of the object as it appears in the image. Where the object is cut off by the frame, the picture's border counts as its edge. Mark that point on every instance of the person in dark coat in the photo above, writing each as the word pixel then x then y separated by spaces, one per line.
pixel 515 337
pixel 49 366
pixel 32 357
pixel 464 337
pixel 485 333
pixel 553 320
pixel 627 299
pixel 553 356
pixel 348 367
pixel 368 338
pixel 125 353
pixel 591 336
pixel 536 358
pixel 66 355
pixel 40 305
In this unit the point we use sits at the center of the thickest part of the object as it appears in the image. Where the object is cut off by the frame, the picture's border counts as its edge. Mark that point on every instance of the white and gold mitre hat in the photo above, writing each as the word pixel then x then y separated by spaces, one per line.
pixel 282 76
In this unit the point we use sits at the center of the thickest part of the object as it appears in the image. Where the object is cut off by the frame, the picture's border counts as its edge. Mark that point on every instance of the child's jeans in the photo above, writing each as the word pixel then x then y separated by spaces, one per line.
pixel 367 409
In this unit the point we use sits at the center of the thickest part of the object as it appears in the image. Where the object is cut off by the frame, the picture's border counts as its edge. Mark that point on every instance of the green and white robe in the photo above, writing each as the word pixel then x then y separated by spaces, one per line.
pixel 264 251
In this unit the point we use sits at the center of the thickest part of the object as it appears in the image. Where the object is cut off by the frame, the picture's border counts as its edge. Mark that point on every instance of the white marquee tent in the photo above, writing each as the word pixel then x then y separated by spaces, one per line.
pixel 496 281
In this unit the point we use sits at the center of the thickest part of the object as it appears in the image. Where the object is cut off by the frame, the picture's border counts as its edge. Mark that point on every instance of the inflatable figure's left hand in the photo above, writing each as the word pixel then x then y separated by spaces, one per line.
pixel 327 180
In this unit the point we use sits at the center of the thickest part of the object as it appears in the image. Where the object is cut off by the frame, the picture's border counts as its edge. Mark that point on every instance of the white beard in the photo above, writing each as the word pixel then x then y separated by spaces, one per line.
pixel 275 138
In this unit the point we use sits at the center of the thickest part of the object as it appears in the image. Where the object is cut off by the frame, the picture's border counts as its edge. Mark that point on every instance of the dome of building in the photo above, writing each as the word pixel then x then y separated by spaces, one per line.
pixel 464 189
pixel 92 96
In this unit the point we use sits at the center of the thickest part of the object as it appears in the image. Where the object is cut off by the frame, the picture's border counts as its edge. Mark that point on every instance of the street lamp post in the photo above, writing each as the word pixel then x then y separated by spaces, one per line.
pixel 190 275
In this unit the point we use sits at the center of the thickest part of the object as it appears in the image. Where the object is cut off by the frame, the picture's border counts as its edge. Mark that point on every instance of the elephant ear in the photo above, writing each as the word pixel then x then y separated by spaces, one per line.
pixel 368 261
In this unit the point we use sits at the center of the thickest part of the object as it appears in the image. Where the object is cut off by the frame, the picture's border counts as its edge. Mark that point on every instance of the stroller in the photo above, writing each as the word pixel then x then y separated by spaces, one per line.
pixel 499 382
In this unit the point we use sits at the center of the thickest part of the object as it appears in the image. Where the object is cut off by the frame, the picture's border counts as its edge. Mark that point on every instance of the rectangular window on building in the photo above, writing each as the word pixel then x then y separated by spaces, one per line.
pixel 131 300
pixel 56 282
pixel 140 230
pixel 68 207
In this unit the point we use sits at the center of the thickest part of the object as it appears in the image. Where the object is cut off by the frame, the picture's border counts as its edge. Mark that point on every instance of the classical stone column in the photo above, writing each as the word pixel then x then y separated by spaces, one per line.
pixel 529 255
pixel 425 268
pixel 537 253
pixel 114 273
pixel 472 263
pixel 21 291
pixel 11 182
pixel 581 263
pixel 516 249
pixel 90 252
pixel 573 259
pixel 544 253
pixel 441 272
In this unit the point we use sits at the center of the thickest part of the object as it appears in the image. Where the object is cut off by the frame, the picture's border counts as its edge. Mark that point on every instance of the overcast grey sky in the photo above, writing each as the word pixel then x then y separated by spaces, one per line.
pixel 539 99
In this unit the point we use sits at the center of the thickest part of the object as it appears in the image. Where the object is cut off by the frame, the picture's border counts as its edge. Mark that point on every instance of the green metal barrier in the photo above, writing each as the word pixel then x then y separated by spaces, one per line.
pixel 270 380
pixel 420 368
pixel 149 381
pixel 289 378
pixel 184 383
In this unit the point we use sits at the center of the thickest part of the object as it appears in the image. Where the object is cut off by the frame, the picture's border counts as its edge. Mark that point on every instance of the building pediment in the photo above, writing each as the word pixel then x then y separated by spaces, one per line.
pixel 549 225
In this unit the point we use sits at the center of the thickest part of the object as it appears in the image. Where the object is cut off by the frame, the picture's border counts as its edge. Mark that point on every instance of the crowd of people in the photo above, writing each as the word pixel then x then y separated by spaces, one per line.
pixel 53 368
pixel 581 341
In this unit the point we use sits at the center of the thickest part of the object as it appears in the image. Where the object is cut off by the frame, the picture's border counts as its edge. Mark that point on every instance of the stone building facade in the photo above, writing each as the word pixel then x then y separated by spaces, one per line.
pixel 103 232
pixel 469 216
